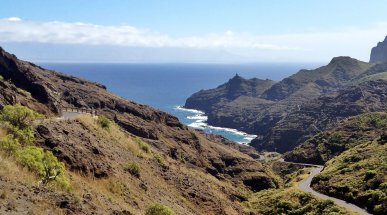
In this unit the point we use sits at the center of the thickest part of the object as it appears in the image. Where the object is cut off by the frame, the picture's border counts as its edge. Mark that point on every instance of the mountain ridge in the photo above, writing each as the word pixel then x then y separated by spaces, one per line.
pixel 261 114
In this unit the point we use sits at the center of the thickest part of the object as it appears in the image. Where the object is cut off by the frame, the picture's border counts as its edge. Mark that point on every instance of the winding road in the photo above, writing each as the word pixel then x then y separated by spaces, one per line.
pixel 304 185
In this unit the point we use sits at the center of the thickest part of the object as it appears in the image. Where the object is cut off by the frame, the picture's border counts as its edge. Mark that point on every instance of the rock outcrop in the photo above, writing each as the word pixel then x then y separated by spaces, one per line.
pixel 379 52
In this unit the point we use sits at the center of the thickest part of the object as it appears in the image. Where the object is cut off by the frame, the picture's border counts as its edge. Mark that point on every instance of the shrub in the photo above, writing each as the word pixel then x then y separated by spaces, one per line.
pixel 44 164
pixel 133 168
pixel 9 144
pixel 104 122
pixel 1 78
pixel 18 119
pixel 159 209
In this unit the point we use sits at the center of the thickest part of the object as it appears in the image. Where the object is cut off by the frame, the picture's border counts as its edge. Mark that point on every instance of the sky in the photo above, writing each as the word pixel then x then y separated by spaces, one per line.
pixel 200 31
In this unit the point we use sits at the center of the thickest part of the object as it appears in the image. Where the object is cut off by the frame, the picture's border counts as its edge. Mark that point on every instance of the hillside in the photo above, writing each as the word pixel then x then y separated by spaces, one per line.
pixel 122 164
pixel 358 175
pixel 354 157
pixel 347 134
pixel 323 113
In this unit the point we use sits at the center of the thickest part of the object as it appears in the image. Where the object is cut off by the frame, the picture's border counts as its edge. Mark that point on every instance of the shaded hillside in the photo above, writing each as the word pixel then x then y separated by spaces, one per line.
pixel 322 113
pixel 347 134
pixel 358 175
pixel 144 157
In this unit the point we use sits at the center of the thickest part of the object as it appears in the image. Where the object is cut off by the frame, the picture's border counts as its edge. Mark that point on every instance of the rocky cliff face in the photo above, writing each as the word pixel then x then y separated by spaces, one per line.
pixel 379 52
pixel 182 168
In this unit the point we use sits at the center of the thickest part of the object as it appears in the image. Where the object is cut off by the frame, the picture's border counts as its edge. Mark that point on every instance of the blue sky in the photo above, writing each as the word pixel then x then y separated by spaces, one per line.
pixel 238 31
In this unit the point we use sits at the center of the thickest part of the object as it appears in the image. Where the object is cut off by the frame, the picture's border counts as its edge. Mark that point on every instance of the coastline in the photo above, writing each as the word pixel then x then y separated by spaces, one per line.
pixel 200 122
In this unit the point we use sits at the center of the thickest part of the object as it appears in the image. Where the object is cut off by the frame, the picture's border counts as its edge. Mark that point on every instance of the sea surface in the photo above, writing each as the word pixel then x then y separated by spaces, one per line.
pixel 167 86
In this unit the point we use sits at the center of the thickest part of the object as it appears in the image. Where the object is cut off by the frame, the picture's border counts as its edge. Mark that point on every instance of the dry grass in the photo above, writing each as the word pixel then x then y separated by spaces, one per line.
pixel 114 132
pixel 12 171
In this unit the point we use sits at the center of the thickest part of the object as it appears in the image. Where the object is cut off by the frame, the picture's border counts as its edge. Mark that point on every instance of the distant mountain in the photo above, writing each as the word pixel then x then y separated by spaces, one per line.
pixel 233 89
pixel 284 114
pixel 307 83
pixel 379 52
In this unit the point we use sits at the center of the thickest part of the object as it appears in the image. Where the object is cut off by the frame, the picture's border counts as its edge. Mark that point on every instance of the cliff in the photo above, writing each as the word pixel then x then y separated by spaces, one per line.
pixel 379 52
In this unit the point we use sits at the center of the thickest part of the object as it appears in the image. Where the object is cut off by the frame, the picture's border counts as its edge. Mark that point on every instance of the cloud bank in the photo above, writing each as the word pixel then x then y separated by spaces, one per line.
pixel 306 46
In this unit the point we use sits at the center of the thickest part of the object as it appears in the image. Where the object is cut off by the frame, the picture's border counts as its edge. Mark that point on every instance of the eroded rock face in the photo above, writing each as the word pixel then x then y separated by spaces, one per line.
pixel 379 52
pixel 82 151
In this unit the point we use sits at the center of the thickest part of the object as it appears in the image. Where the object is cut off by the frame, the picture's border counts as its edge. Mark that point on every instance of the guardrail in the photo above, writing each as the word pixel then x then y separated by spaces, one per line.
pixel 79 110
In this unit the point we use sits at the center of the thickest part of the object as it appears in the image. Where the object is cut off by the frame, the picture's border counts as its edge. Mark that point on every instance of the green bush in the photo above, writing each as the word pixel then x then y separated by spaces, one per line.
pixel 104 122
pixel 44 164
pixel 18 119
pixel 1 78
pixel 159 209
pixel 9 144
pixel 133 168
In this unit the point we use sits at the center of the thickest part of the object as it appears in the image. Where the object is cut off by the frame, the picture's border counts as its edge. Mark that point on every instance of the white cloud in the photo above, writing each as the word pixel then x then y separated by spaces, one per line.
pixel 307 46
pixel 15 30
pixel 14 19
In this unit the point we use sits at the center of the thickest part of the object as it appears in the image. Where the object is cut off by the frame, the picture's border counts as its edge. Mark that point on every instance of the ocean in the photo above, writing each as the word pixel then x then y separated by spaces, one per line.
pixel 167 86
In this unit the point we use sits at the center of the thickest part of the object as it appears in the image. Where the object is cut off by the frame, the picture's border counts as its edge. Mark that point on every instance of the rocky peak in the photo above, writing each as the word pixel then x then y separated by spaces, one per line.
pixel 342 60
pixel 379 52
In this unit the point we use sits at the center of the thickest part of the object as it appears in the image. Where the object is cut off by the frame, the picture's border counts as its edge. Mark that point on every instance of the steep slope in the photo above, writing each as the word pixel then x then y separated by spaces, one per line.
pixel 322 113
pixel 347 134
pixel 379 52
pixel 178 167
pixel 358 175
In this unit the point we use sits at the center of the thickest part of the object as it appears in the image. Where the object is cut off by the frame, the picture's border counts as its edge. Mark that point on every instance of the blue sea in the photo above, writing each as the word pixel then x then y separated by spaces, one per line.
pixel 167 86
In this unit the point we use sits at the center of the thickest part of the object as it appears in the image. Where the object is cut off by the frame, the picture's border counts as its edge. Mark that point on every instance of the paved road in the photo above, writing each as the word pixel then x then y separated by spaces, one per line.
pixel 304 185
pixel 70 115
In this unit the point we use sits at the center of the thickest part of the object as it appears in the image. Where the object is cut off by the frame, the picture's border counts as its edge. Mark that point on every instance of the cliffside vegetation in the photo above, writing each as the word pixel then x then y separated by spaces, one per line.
pixel 358 175
pixel 290 200
pixel 349 133
pixel 17 140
